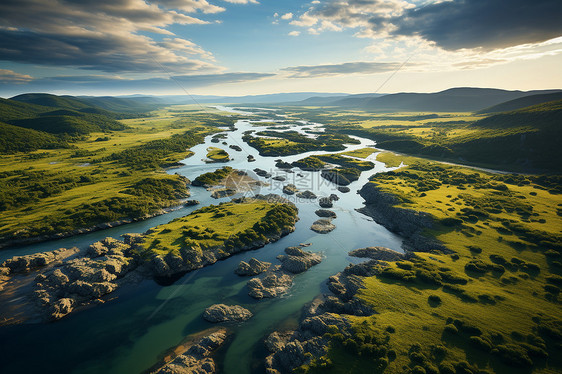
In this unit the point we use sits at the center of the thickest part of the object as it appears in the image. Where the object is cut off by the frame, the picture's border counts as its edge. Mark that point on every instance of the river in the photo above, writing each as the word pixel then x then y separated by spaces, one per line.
pixel 128 333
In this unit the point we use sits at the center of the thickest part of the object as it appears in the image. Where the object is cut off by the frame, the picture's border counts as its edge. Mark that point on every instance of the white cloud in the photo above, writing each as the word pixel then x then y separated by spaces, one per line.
pixel 103 35
pixel 287 16
pixel 9 76
pixel 294 33
pixel 242 1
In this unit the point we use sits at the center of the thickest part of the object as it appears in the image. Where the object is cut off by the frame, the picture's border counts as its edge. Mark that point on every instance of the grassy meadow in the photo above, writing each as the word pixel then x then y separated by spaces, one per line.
pixel 103 177
pixel 490 306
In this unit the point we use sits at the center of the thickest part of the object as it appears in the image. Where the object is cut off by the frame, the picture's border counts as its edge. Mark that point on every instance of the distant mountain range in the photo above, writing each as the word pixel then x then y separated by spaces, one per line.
pixel 463 99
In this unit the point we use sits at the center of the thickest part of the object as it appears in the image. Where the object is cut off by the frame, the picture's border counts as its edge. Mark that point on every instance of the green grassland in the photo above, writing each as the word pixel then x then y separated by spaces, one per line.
pixel 228 226
pixel 493 305
pixel 522 140
pixel 102 176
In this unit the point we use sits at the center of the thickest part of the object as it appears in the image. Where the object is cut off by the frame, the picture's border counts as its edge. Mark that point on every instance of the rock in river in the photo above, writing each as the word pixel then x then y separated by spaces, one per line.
pixel 226 313
pixel 306 195
pixel 323 226
pixel 297 260
pixel 325 213
pixel 325 202
pixel 377 253
pixel 252 267
pixel 344 189
pixel 273 285
pixel 290 189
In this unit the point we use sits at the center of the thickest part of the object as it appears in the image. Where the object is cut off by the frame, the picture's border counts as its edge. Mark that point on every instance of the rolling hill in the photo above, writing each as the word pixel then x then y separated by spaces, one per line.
pixel 523 102
pixel 462 99
pixel 55 115
pixel 17 139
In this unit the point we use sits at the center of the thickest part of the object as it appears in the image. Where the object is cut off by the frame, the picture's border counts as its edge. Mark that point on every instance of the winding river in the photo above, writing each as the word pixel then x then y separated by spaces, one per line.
pixel 129 332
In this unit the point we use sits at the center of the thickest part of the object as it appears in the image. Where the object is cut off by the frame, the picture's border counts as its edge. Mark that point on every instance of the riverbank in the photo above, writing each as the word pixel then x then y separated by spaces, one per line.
pixel 483 304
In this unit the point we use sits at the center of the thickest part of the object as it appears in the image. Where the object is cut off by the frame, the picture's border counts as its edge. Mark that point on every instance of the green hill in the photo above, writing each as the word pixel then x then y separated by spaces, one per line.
pixel 523 102
pixel 54 101
pixel 10 109
pixel 16 139
pixel 526 139
pixel 57 114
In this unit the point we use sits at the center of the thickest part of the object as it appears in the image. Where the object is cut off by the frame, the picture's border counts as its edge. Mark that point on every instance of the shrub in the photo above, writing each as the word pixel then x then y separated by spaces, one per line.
pixel 434 300
pixel 480 343
pixel 513 355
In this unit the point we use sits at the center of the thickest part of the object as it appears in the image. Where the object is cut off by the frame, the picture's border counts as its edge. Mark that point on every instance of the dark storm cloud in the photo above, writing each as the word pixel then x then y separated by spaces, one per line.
pixel 452 25
pixel 317 71
pixel 489 24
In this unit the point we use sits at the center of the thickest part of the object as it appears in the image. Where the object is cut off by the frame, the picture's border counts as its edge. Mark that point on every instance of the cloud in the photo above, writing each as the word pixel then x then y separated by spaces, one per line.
pixel 9 76
pixel 242 1
pixel 104 35
pixel 318 71
pixel 294 33
pixel 287 16
pixel 451 25
pixel 487 24
pixel 104 84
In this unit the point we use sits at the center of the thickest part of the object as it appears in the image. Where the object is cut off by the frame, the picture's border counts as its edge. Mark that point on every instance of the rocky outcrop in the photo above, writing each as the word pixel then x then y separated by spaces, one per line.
pixel 408 223
pixel 289 350
pixel 273 284
pixel 24 264
pixel 323 226
pixel 235 147
pixel 251 158
pixel 252 267
pixel 325 213
pixel 279 178
pixel 290 189
pixel 377 253
pixel 197 359
pixel 344 189
pixel 226 313
pixel 306 195
pixel 222 192
pixel 297 261
pixel 84 280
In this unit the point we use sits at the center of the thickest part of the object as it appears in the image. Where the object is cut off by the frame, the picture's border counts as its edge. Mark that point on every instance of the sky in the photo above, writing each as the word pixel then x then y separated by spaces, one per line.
pixel 243 47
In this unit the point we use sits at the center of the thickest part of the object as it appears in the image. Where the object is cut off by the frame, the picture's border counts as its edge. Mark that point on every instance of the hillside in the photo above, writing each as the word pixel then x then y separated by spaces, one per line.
pixel 461 99
pixel 16 139
pixel 523 102
pixel 526 139
pixel 56 115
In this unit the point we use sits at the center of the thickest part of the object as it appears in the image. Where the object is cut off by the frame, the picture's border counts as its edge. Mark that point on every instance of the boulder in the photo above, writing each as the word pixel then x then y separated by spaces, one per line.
pixel 306 195
pixel 297 260
pixel 196 360
pixel 223 192
pixel 279 178
pixel 323 226
pixel 325 202
pixel 60 308
pixel 252 267
pixel 191 203
pixel 325 213
pixel 272 285
pixel 290 189
pixel 333 197
pixel 344 189
pixel 226 313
